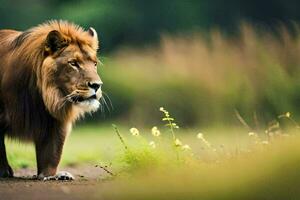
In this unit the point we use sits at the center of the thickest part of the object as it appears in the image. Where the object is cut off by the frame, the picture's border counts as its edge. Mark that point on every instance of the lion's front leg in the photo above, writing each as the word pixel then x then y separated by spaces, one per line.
pixel 48 154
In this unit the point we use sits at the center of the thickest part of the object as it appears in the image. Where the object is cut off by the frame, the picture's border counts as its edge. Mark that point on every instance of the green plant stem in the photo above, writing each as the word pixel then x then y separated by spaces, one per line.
pixel 174 139
pixel 172 130
pixel 120 137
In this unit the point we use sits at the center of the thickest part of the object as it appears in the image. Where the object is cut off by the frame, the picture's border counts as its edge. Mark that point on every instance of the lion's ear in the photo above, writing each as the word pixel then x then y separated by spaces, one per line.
pixel 55 41
pixel 93 33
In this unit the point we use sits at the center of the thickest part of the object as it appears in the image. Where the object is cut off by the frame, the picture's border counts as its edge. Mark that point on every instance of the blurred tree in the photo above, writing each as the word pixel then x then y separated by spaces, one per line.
pixel 136 22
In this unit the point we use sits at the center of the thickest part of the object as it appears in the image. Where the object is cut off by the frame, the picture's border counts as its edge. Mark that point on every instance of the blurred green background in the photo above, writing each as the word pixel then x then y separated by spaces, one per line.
pixel 200 59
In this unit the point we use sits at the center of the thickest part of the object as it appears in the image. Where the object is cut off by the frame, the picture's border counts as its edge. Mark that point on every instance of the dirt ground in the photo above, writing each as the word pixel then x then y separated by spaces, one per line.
pixel 88 180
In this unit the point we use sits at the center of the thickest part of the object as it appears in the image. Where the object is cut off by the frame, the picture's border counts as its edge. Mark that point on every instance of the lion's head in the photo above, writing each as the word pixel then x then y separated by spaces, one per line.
pixel 68 73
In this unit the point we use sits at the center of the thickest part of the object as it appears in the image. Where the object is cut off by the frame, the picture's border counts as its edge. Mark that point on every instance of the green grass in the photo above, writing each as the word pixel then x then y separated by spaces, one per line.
pixel 268 173
pixel 98 144
pixel 85 145
pixel 237 168
pixel 263 164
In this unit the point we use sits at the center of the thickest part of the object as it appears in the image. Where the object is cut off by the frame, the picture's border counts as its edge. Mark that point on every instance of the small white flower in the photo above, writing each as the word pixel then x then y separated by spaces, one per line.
pixel 152 144
pixel 200 136
pixel 252 134
pixel 162 109
pixel 186 147
pixel 288 114
pixel 178 143
pixel 175 125
pixel 155 132
pixel 134 131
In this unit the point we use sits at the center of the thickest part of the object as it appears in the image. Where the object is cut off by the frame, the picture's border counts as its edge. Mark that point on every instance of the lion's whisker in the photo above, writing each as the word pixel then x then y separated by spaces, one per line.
pixel 102 108
pixel 105 103
pixel 64 101
pixel 70 95
pixel 109 100
pixel 67 98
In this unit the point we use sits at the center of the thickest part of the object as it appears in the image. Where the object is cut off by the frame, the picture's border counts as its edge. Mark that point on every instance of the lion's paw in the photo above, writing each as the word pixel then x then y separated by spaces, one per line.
pixel 64 175
pixel 60 176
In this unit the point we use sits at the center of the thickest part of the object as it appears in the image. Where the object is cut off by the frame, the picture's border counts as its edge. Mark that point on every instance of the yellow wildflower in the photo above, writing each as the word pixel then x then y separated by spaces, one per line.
pixel 178 143
pixel 155 132
pixel 134 131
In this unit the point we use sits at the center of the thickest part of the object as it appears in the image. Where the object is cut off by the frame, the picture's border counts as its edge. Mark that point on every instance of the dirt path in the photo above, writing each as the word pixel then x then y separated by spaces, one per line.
pixel 88 181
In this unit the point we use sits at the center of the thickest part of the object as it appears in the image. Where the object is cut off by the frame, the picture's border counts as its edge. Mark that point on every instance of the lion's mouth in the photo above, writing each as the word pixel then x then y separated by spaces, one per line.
pixel 79 99
pixel 89 104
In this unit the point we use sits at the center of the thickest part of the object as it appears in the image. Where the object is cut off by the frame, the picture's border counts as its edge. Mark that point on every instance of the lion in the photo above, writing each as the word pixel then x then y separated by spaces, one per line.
pixel 49 79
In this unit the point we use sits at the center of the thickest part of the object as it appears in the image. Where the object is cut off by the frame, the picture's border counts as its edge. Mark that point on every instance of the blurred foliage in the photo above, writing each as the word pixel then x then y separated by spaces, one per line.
pixel 204 81
pixel 211 67
pixel 136 22
pixel 270 173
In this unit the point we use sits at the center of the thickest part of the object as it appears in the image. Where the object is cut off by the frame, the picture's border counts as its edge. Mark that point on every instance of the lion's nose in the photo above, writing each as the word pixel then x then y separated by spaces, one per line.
pixel 95 85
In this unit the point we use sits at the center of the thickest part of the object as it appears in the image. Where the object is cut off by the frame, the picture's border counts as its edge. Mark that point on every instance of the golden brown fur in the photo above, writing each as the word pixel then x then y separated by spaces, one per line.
pixel 48 79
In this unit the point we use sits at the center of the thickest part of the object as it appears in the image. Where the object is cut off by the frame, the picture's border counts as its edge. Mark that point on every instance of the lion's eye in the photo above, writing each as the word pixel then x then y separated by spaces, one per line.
pixel 96 64
pixel 73 63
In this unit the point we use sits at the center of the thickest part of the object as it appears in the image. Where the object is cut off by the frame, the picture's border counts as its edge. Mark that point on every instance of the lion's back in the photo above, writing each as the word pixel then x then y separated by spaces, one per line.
pixel 6 40
pixel 7 36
